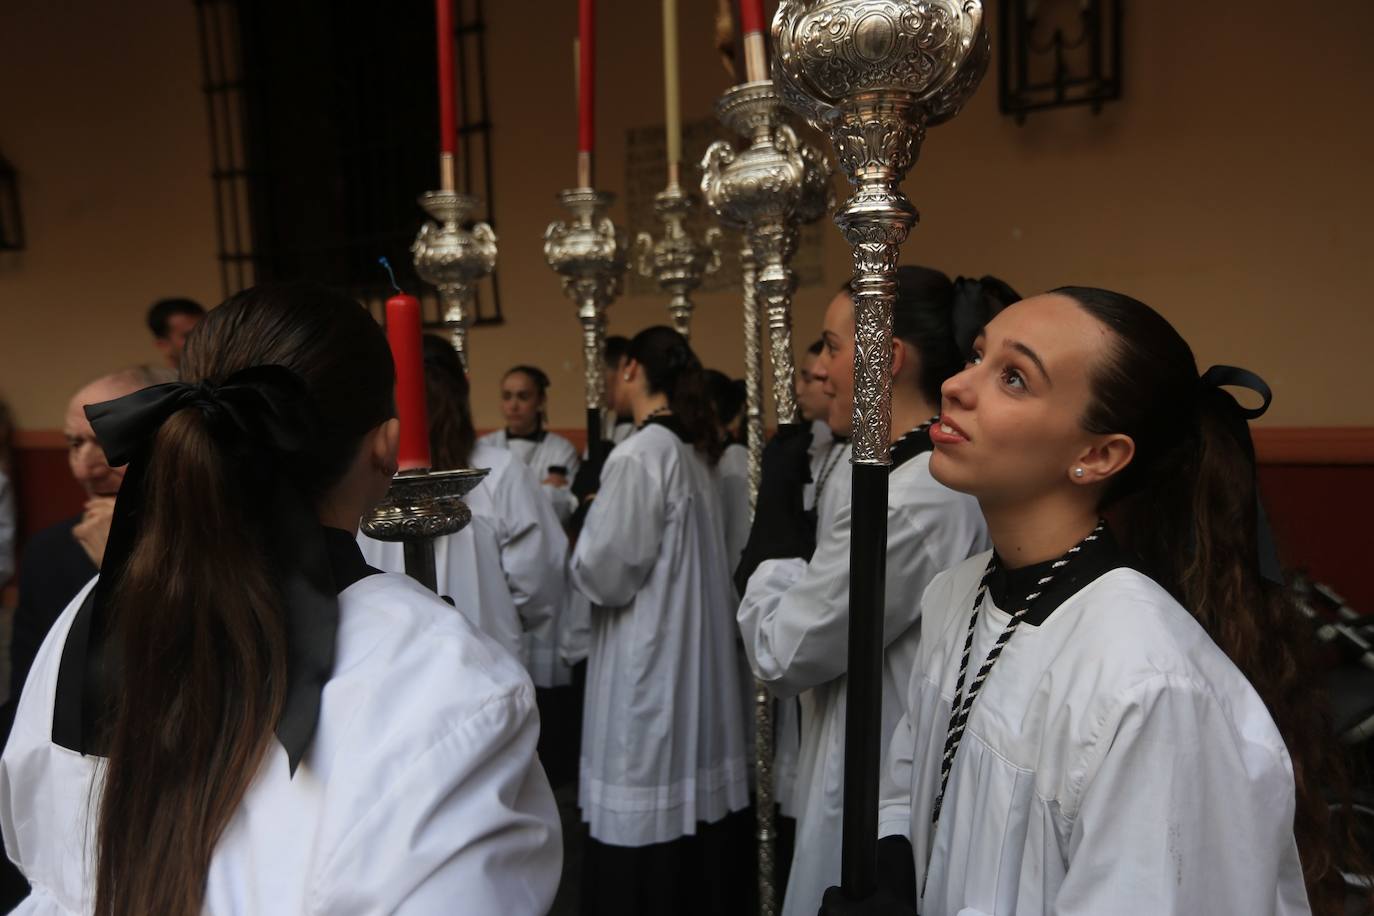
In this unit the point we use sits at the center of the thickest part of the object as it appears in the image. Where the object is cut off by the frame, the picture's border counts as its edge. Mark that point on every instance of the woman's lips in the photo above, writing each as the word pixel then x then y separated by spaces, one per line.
pixel 946 433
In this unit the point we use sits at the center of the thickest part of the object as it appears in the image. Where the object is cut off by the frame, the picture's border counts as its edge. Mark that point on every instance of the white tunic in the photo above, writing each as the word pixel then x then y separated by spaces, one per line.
pixel 662 740
pixel 552 450
pixel 826 452
pixel 1115 761
pixel 732 483
pixel 795 620
pixel 505 569
pixel 420 794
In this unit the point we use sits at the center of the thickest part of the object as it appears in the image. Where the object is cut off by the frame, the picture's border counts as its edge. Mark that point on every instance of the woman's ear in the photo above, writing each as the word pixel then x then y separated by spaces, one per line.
pixel 1102 460
pixel 899 356
pixel 386 440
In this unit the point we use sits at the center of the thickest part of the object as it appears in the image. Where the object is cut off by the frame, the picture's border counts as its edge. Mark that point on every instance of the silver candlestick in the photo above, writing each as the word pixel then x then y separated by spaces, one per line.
pixel 453 259
pixel 677 260
pixel 590 253
pixel 423 505
pixel 768 187
pixel 874 74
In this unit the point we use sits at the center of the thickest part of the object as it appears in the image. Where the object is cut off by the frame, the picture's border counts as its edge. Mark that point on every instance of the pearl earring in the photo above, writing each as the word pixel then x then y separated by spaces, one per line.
pixel 1078 472
pixel 627 376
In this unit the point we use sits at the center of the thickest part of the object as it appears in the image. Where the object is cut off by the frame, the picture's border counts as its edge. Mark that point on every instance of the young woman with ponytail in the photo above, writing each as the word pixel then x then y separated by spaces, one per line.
pixel 794 617
pixel 239 715
pixel 663 758
pixel 1106 718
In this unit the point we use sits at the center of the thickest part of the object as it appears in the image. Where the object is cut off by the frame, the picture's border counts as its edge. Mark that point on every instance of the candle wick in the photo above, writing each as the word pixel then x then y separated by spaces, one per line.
pixel 390 273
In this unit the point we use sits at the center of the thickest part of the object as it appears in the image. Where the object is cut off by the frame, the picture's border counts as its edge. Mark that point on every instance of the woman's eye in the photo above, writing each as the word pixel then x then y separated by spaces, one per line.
pixel 974 359
pixel 1013 378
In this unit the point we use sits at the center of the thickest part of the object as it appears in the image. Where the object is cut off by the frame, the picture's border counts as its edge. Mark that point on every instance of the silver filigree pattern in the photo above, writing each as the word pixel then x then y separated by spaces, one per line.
pixel 590 253
pixel 753 375
pixel 875 74
pixel 677 260
pixel 768 186
pixel 453 259
pixel 423 505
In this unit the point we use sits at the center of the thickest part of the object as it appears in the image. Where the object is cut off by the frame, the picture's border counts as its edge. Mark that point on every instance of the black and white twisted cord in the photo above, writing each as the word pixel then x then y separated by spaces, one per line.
pixel 963 705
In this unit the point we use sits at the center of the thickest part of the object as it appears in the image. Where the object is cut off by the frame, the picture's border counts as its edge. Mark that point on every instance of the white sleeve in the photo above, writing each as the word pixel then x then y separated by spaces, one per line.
pixel 734 494
pixel 894 782
pixel 620 538
pixel 469 826
pixel 575 628
pixel 533 548
pixel 796 628
pixel 1183 814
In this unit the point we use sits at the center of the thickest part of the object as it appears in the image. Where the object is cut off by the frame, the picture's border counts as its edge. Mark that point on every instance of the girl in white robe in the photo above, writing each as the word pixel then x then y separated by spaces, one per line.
pixel 1115 751
pixel 663 761
pixel 239 716
pixel 795 613
pixel 552 458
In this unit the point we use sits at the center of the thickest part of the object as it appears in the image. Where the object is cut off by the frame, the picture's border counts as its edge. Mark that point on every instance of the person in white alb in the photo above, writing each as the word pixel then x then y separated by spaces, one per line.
pixel 795 612
pixel 1105 718
pixel 239 715
pixel 663 758
pixel 552 458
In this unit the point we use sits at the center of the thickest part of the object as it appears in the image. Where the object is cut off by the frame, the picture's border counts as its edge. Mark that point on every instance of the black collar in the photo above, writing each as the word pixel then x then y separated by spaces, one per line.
pixel 536 436
pixel 90 667
pixel 1008 586
pixel 908 447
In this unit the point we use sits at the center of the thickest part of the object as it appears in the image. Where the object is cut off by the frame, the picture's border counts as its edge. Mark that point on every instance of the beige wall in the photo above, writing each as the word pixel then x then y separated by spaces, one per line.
pixel 1229 189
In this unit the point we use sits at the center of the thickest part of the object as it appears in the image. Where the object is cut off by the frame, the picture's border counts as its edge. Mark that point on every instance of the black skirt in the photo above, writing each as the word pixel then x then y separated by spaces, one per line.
pixel 713 872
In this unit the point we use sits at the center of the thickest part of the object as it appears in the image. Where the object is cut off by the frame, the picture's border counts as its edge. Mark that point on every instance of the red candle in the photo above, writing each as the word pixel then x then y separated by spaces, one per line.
pixel 448 108
pixel 407 350
pixel 751 16
pixel 586 82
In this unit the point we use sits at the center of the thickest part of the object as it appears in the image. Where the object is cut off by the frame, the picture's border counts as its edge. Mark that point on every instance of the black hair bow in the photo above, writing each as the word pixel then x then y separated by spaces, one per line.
pixel 1211 390
pixel 261 418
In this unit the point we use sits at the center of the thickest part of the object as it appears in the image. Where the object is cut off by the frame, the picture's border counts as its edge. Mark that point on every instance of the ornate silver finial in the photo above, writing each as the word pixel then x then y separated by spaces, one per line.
pixel 454 259
pixel 875 74
pixel 420 506
pixel 590 253
pixel 677 260
pixel 770 185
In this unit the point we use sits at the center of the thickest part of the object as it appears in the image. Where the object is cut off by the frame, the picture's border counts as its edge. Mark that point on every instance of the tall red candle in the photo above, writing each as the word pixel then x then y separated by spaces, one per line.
pixel 403 332
pixel 586 83
pixel 750 16
pixel 448 108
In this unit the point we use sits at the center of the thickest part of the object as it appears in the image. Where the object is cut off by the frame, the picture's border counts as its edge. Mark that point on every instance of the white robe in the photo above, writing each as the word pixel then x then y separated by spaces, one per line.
pixel 505 569
pixel 420 794
pixel 550 451
pixel 732 483
pixel 1115 761
pixel 795 620
pixel 834 495
pixel 662 740
pixel 541 643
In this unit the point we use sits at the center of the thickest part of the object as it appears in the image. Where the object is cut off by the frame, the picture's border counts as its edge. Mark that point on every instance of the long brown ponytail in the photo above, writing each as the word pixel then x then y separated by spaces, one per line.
pixel 670 367
pixel 197 621
pixel 1189 502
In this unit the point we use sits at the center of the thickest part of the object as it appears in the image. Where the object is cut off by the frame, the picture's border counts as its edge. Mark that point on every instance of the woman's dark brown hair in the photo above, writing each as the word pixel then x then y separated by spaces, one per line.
pixel 197 617
pixel 451 433
pixel 670 367
pixel 1189 500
